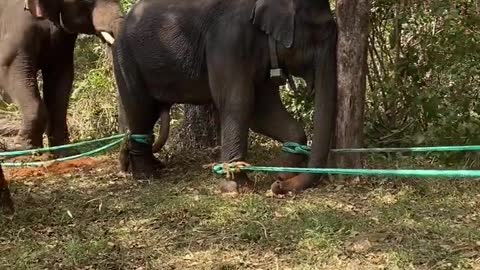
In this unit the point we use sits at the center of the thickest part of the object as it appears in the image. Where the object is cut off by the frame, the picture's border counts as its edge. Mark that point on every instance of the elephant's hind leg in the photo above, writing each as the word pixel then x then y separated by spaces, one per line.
pixel 141 113
pixel 273 120
pixel 137 155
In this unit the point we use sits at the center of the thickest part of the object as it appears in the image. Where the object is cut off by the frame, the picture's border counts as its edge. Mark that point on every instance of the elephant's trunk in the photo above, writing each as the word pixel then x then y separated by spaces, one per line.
pixel 325 87
pixel 325 102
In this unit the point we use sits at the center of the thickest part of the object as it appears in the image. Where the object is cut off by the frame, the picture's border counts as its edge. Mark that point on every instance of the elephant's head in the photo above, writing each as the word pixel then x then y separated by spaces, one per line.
pixel 306 33
pixel 102 17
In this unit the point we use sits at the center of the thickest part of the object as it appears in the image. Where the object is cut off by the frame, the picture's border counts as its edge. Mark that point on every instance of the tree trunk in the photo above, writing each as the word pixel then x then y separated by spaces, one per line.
pixel 353 21
pixel 200 128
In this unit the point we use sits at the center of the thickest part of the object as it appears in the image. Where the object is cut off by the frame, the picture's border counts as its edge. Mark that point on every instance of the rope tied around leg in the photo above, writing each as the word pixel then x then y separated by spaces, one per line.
pixel 141 138
pixel 229 169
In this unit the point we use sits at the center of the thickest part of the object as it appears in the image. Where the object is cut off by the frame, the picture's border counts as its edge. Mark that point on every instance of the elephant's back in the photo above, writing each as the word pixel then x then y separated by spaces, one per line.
pixel 169 36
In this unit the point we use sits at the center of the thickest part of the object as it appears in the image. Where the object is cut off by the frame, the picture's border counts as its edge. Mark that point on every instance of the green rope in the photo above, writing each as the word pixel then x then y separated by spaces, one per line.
pixel 56 148
pixel 141 138
pixel 48 162
pixel 459 148
pixel 219 169
pixel 295 148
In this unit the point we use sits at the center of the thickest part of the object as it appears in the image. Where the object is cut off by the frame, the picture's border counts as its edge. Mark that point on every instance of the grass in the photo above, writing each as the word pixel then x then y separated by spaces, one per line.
pixel 98 219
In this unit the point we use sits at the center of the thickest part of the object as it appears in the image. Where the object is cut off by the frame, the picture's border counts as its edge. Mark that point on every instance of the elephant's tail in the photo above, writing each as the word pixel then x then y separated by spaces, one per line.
pixel 164 129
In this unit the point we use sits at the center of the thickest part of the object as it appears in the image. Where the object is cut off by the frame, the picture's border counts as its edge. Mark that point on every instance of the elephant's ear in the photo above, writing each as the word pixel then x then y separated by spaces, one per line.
pixel 276 18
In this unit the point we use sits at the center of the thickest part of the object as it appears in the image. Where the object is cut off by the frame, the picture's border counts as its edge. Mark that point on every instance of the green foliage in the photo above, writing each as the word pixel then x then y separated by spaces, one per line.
pixel 423 77
pixel 93 106
pixel 424 68
pixel 300 102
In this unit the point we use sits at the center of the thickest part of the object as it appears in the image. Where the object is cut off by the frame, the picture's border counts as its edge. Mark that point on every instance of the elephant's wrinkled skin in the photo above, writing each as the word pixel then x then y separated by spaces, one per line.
pixel 40 35
pixel 182 51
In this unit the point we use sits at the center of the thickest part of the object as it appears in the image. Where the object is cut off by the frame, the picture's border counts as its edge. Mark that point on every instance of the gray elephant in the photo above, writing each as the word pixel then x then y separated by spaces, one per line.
pixel 40 35
pixel 231 53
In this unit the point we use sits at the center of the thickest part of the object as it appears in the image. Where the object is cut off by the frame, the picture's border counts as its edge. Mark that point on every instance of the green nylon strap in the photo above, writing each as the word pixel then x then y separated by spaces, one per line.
pixel 48 162
pixel 141 138
pixel 219 169
pixel 295 148
pixel 56 148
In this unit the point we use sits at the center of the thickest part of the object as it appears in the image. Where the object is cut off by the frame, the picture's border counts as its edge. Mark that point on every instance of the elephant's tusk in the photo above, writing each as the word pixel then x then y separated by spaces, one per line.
pixel 108 38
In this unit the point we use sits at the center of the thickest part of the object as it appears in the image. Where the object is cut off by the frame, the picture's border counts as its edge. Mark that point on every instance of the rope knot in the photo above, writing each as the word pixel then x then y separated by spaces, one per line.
pixel 228 168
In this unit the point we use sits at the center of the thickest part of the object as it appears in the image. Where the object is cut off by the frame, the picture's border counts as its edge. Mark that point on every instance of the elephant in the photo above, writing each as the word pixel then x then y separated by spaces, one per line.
pixel 40 35
pixel 6 202
pixel 234 54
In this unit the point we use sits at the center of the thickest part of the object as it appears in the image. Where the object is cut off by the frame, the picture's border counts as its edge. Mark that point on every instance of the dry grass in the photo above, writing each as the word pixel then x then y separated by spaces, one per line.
pixel 97 219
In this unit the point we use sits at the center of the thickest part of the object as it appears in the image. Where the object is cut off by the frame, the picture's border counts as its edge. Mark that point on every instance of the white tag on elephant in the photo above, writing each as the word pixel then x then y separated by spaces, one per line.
pixel 275 73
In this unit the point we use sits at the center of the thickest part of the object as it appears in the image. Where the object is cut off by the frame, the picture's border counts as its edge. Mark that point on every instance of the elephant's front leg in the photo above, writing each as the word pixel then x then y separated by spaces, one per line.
pixel 234 136
pixel 58 80
pixel 22 87
pixel 57 87
pixel 233 93
pixel 273 120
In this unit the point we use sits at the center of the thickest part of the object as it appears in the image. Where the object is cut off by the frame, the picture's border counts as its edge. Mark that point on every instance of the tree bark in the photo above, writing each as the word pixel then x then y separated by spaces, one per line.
pixel 353 21
pixel 200 128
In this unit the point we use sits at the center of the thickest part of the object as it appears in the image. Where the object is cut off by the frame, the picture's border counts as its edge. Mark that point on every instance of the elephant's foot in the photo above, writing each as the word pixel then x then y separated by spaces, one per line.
pixel 144 167
pixel 65 152
pixel 52 142
pixel 23 142
pixel 288 160
pixel 129 163
pixel 296 184
pixel 139 160
pixel 240 184
pixel 6 202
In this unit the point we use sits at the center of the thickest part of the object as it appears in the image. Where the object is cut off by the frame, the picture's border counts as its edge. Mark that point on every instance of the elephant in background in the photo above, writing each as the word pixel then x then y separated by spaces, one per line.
pixel 6 202
pixel 230 53
pixel 40 35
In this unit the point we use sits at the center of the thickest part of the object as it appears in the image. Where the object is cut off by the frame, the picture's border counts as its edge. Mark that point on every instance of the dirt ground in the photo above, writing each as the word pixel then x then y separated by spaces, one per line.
pixel 9 126
pixel 86 215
